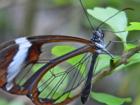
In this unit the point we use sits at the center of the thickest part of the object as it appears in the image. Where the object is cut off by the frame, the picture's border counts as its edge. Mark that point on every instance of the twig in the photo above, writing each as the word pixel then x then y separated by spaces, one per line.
pixel 125 56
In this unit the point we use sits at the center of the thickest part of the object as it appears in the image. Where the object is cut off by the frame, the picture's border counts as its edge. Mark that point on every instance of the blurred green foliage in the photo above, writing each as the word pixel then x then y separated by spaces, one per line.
pixel 5 25
pixel 134 26
pixel 109 99
pixel 13 102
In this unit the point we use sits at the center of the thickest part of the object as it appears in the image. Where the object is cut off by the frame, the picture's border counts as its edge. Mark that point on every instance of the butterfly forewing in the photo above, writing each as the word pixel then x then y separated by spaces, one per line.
pixel 46 55
pixel 61 82
pixel 7 52
pixel 53 71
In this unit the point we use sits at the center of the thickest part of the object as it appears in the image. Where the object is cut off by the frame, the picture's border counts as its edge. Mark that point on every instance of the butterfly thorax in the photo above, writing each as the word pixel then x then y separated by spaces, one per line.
pixel 98 39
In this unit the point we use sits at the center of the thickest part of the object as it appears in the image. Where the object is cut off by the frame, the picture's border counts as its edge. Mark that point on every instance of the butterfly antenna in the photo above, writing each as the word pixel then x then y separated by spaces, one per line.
pixel 92 28
pixel 113 16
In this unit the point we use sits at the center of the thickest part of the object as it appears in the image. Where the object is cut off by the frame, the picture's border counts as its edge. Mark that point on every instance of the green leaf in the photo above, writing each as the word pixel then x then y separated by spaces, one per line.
pixel 90 3
pixel 134 59
pixel 131 61
pixel 63 49
pixel 109 99
pixel 51 87
pixel 117 23
pixel 102 62
pixel 47 77
pixel 3 102
pixel 53 83
pixel 129 46
pixel 62 2
pixel 133 26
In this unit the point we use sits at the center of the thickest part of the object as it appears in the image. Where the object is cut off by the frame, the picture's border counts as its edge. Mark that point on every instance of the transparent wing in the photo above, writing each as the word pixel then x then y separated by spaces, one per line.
pixel 64 80
pixel 59 83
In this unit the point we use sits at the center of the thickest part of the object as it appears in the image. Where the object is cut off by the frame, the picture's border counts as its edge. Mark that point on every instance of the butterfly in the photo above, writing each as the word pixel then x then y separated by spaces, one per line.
pixel 30 66
pixel 47 85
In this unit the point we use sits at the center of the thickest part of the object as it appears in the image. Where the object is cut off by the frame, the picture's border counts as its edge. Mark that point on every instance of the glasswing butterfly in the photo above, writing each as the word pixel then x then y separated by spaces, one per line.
pixel 28 67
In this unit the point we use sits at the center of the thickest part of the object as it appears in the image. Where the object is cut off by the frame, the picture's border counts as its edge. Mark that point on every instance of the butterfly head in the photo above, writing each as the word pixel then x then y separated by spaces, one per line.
pixel 98 36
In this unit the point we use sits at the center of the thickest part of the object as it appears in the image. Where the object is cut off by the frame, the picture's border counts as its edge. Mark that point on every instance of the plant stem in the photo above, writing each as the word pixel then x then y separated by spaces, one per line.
pixel 125 56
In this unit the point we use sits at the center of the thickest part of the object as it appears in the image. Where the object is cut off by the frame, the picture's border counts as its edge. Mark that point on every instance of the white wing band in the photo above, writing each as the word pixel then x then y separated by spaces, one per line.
pixel 18 61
